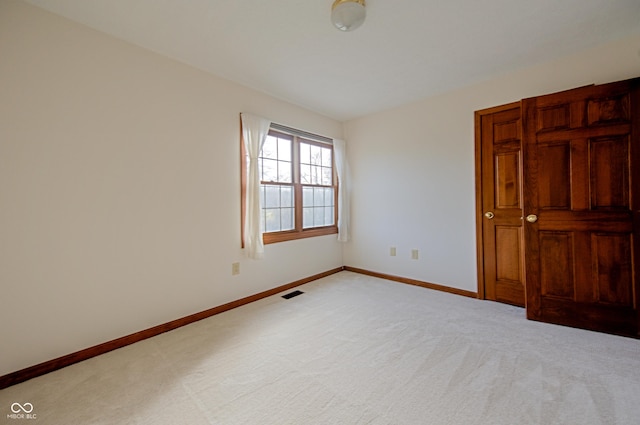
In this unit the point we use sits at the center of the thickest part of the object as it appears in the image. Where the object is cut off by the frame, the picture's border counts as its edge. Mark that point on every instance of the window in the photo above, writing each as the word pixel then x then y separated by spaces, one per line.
pixel 275 167
pixel 297 186
pixel 316 179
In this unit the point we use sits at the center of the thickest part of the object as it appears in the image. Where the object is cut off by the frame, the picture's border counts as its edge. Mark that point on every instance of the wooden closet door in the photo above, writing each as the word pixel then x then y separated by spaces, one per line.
pixel 499 161
pixel 582 206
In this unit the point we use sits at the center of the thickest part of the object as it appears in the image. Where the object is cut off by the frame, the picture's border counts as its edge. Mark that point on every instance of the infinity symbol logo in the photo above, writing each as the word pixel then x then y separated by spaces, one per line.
pixel 26 408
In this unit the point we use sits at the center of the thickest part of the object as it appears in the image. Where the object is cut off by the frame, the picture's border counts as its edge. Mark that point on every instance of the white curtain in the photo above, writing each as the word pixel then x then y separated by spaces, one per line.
pixel 342 169
pixel 254 133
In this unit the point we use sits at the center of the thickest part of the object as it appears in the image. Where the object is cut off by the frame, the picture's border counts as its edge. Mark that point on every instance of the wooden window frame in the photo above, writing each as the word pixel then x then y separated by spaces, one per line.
pixel 298 232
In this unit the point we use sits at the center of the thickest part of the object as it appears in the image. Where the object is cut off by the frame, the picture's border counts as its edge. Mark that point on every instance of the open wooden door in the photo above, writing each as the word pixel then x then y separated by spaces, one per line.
pixel 582 207
pixel 500 202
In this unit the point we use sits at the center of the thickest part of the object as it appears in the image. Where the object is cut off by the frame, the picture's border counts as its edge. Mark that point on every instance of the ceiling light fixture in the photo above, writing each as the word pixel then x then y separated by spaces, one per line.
pixel 348 15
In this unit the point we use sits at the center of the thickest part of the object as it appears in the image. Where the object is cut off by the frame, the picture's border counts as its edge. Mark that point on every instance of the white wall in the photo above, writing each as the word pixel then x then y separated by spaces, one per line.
pixel 120 189
pixel 413 167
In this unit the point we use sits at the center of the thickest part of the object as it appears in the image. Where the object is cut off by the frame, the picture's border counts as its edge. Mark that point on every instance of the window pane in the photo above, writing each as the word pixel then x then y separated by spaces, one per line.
pixel 272 220
pixel 284 150
pixel 326 176
pixel 278 208
pixel 270 148
pixel 305 153
pixel 318 196
pixel 269 170
pixel 326 157
pixel 328 216
pixel 307 196
pixel 286 196
pixel 316 176
pixel 316 155
pixel 275 160
pixel 305 174
pixel 307 217
pixel 284 172
pixel 272 196
pixel 328 196
pixel 318 216
pixel 287 219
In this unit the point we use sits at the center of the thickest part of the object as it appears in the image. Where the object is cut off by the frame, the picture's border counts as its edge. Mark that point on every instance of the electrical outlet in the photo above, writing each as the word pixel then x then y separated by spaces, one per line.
pixel 414 254
pixel 235 268
pixel 392 251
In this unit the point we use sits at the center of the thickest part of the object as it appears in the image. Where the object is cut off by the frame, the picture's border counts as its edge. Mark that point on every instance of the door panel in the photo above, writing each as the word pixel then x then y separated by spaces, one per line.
pixel 578 149
pixel 499 157
pixel 612 262
pixel 554 171
pixel 556 273
pixel 508 249
pixel 610 173
pixel 507 173
pixel 606 110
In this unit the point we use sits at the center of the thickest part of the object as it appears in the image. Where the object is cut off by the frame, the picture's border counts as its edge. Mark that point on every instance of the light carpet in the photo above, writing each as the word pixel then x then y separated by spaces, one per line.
pixel 352 349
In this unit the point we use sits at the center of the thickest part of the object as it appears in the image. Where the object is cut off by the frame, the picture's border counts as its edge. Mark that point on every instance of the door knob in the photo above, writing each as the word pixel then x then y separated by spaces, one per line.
pixel 489 215
pixel 532 218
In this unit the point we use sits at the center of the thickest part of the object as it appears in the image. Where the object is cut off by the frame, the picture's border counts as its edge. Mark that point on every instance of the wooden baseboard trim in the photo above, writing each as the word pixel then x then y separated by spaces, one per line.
pixel 408 281
pixel 64 361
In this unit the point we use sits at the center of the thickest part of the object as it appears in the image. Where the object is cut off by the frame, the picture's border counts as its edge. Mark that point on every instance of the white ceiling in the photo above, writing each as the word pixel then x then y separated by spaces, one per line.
pixel 405 51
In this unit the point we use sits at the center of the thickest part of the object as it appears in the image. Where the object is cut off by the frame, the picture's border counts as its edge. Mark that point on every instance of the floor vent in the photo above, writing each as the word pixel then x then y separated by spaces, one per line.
pixel 292 294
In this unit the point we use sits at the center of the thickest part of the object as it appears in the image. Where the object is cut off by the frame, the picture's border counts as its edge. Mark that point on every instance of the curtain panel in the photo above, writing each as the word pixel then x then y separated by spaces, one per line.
pixel 342 169
pixel 254 134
